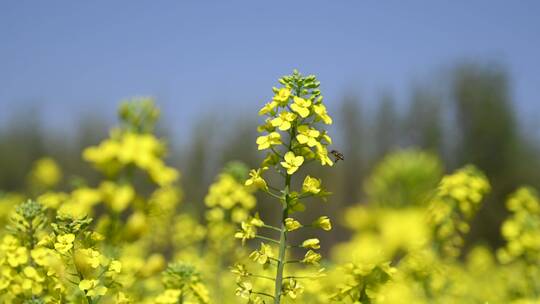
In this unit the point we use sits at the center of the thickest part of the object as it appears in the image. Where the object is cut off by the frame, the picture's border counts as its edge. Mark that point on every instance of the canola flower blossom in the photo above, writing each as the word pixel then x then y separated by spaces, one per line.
pixel 292 138
pixel 458 198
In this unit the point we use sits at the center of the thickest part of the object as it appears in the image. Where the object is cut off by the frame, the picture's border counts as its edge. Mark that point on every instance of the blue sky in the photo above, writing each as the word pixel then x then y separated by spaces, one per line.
pixel 74 57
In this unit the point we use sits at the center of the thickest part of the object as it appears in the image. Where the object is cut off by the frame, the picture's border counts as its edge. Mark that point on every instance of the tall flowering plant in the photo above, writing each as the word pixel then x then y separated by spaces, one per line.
pixel 293 135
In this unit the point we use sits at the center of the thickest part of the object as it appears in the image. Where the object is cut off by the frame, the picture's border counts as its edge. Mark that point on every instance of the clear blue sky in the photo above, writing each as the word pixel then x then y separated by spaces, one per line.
pixel 72 57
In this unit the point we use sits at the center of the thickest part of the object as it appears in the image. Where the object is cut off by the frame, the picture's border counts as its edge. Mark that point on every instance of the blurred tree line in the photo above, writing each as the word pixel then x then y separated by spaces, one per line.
pixel 470 120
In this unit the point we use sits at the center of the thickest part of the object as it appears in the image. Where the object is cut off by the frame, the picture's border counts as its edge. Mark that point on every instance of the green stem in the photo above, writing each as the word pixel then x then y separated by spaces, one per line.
pixel 266 239
pixel 282 244
pixel 284 215
pixel 272 227
pixel 273 195
pixel 261 277
pixel 262 294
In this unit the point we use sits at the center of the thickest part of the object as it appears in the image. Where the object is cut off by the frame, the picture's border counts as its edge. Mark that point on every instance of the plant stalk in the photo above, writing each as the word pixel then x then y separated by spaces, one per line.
pixel 282 244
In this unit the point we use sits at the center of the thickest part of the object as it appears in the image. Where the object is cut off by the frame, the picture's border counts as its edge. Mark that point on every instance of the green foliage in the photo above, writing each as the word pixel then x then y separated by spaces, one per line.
pixel 139 115
pixel 363 283
pixel 404 178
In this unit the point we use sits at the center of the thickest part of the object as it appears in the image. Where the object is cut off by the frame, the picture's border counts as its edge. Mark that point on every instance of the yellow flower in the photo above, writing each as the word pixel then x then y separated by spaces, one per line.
pixel 311 243
pixel 244 289
pixel 46 172
pixel 115 267
pixel 52 199
pixel 292 224
pixel 301 106
pixel 256 221
pixel 91 288
pixel 283 95
pixel 326 138
pixel 324 223
pixel 266 141
pixel 89 257
pixel 311 185
pixel 256 179
pixel 263 255
pixel 103 153
pixel 320 110
pixel 292 162
pixel 18 256
pixel 322 154
pixel 41 255
pixel 239 214
pixel 31 273
pixel 311 257
pixel 201 292
pixel 169 296
pixel 123 196
pixel 240 269
pixel 292 288
pixel 137 224
pixel 247 232
pixel 64 242
pixel 268 108
pixel 121 298
pixel 307 135
pixel 283 121
pixel 117 196
pixel 161 174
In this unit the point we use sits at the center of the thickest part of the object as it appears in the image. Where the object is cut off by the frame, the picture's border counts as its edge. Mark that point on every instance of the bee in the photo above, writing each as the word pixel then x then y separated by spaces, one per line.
pixel 338 155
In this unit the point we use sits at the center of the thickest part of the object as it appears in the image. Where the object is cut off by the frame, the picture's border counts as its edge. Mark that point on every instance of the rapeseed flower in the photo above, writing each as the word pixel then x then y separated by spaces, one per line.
pixel 283 121
pixel 307 135
pixel 266 141
pixel 64 243
pixel 292 224
pixel 256 179
pixel 323 222
pixel 311 185
pixel 311 244
pixel 292 162
pixel 92 288
pixel 301 106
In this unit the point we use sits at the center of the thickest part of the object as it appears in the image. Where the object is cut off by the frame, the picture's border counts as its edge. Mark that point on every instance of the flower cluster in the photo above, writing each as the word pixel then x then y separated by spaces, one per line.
pixel 23 259
pixel 363 283
pixel 183 285
pixel 293 138
pixel 64 263
pixel 133 145
pixel 228 197
pixel 404 178
pixel 131 153
pixel 457 199
pixel 45 174
pixel 522 229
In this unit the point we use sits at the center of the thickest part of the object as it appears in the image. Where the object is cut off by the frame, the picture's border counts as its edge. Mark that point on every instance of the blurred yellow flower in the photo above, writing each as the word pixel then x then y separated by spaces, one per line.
pixel 64 242
pixel 92 288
